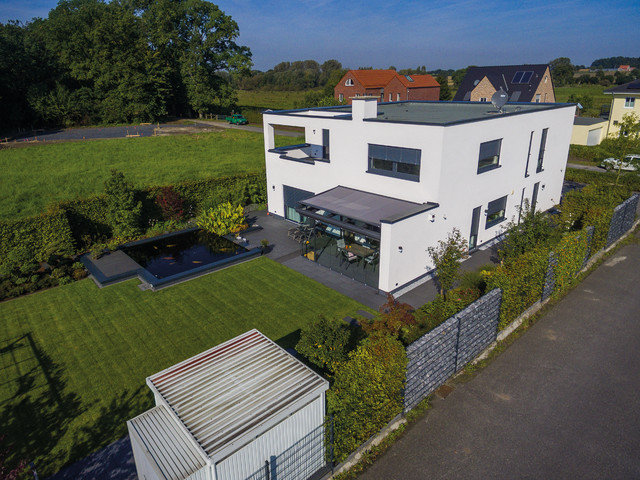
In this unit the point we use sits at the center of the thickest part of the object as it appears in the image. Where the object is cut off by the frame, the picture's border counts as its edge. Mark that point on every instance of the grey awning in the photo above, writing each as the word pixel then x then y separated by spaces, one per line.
pixel 365 207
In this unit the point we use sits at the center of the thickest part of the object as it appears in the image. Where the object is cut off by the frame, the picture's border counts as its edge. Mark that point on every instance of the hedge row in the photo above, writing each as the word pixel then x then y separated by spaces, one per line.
pixel 37 236
pixel 74 225
pixel 627 179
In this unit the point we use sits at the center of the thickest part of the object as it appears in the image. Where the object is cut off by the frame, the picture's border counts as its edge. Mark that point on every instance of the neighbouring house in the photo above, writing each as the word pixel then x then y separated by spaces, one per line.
pixel 522 83
pixel 378 184
pixel 386 85
pixel 588 131
pixel 626 68
pixel 625 99
pixel 239 410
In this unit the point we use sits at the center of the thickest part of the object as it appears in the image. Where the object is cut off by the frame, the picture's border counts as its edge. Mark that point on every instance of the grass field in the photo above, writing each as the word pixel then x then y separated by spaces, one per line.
pixel 594 91
pixel 36 175
pixel 270 99
pixel 74 359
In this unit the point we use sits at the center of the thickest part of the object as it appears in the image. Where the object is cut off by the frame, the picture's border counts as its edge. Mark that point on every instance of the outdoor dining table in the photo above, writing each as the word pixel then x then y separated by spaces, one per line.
pixel 360 250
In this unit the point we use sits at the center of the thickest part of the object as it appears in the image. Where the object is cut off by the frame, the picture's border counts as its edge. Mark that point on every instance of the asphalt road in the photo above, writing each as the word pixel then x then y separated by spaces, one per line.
pixel 560 403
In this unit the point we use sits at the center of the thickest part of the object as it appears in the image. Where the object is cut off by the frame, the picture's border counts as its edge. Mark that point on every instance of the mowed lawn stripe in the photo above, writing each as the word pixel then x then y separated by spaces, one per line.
pixel 98 345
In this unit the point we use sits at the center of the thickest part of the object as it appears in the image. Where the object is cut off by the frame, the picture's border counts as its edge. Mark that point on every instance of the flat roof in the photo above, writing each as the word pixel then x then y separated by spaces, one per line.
pixel 588 121
pixel 228 395
pixel 367 207
pixel 430 113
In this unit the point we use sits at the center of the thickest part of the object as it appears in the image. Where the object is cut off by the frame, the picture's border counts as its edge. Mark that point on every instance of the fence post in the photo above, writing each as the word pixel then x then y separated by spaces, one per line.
pixel 331 462
pixel 274 467
pixel 267 475
pixel 590 230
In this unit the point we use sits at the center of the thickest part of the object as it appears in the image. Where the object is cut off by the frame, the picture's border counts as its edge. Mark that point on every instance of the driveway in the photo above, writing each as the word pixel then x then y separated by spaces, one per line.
pixel 561 402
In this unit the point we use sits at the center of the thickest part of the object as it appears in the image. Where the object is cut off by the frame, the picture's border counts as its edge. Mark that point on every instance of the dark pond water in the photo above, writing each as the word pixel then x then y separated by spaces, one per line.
pixel 182 252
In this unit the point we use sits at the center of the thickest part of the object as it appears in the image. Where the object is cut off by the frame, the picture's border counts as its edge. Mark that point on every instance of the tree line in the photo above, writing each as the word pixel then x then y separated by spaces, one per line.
pixel 563 72
pixel 93 62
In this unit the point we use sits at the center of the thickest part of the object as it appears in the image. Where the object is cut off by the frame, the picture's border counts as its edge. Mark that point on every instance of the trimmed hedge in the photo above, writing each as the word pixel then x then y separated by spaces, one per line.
pixel 627 179
pixel 77 224
pixel 37 236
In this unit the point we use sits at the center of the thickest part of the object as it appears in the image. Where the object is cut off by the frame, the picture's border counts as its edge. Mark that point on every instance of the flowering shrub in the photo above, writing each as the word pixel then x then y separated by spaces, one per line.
pixel 223 219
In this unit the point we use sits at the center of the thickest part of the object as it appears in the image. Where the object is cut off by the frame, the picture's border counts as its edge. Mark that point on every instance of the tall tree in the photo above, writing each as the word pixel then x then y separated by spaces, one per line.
pixel 561 71
pixel 195 41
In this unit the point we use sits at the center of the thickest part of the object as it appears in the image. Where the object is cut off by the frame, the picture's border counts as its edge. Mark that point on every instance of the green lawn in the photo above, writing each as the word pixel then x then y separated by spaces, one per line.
pixel 593 91
pixel 74 359
pixel 34 176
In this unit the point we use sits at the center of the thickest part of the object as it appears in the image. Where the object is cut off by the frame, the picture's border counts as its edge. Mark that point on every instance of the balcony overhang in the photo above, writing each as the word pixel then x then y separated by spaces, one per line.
pixel 358 211
pixel 303 152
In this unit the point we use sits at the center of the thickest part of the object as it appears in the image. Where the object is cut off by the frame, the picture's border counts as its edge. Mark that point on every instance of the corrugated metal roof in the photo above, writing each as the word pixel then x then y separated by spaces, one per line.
pixel 228 394
pixel 174 453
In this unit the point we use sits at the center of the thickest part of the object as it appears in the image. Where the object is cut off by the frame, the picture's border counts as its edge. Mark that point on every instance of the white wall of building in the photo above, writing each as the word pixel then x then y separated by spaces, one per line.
pixel 251 458
pixel 448 175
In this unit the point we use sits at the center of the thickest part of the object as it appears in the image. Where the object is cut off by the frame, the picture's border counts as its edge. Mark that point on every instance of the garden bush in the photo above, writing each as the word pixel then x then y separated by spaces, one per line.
pixel 395 317
pixel 521 280
pixel 123 209
pixel 433 313
pixel 223 219
pixel 570 253
pixel 325 342
pixel 630 180
pixel 367 392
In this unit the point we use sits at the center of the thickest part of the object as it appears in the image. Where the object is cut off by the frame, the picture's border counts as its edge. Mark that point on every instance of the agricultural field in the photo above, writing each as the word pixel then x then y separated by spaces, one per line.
pixel 74 358
pixel 276 100
pixel 593 91
pixel 34 176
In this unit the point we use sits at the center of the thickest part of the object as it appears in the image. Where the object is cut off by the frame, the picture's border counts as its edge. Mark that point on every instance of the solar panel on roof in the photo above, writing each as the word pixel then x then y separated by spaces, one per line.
pixel 522 77
pixel 408 78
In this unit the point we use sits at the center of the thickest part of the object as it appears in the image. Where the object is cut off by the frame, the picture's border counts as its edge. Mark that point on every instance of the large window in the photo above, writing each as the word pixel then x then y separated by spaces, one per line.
pixel 291 198
pixel 489 157
pixel 395 162
pixel 543 146
pixel 629 102
pixel 496 212
pixel 349 82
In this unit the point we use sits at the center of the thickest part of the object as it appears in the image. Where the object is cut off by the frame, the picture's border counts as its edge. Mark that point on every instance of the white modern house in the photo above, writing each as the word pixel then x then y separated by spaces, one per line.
pixel 380 183
pixel 243 409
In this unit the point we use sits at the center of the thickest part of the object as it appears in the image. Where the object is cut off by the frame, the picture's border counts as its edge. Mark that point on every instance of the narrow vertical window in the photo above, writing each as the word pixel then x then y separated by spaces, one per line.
pixel 526 168
pixel 543 145
pixel 325 143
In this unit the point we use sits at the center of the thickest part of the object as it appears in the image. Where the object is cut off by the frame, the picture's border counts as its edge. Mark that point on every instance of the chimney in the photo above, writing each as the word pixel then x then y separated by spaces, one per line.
pixel 364 107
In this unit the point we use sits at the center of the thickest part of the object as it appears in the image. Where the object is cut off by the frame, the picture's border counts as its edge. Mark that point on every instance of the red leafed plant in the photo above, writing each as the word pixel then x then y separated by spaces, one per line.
pixel 170 203
pixel 5 473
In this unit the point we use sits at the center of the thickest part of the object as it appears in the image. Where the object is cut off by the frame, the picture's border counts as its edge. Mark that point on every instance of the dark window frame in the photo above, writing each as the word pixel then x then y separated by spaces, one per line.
pixel 395 158
pixel 490 152
pixel 497 206
pixel 543 148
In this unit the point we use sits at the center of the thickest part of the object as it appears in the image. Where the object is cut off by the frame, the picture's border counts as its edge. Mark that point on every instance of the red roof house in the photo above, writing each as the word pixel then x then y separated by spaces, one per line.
pixel 387 86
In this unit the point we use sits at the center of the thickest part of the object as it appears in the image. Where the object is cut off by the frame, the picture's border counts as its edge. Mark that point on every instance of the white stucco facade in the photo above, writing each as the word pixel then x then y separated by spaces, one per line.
pixel 448 136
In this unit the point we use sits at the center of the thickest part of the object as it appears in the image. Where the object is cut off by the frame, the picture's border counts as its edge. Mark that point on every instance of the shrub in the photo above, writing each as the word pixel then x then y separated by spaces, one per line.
pixel 535 228
pixel 394 316
pixel 325 342
pixel 432 314
pixel 570 253
pixel 123 211
pixel 446 259
pixel 521 280
pixel 223 219
pixel 367 392
pixel 170 204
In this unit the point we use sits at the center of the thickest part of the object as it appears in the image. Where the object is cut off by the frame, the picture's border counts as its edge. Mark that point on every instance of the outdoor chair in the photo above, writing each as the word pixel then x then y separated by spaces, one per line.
pixel 373 258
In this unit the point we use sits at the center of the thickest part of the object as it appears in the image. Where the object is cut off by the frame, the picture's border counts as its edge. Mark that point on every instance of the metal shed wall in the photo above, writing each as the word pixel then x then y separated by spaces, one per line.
pixel 251 458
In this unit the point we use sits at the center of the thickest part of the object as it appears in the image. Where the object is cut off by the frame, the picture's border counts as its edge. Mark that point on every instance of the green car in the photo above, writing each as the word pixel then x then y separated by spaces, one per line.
pixel 237 119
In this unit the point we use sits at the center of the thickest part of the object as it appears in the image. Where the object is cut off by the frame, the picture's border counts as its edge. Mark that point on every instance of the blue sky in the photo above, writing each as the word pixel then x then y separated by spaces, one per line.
pixel 437 34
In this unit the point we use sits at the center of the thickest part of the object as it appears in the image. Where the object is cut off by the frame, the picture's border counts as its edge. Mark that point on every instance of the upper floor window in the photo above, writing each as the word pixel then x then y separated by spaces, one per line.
pixel 483 99
pixel 395 162
pixel 341 97
pixel 538 96
pixel 543 146
pixel 397 97
pixel 489 157
pixel 349 82
pixel 629 102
